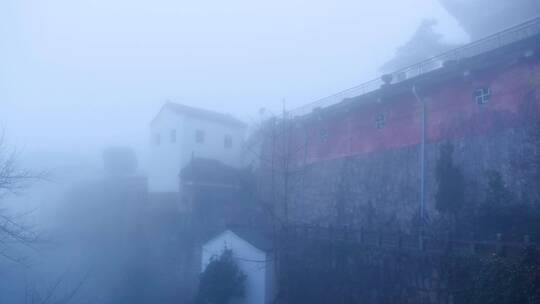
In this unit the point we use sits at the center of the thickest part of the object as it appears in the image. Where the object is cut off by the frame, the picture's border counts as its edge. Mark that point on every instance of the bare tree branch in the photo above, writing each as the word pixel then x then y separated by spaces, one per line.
pixel 13 180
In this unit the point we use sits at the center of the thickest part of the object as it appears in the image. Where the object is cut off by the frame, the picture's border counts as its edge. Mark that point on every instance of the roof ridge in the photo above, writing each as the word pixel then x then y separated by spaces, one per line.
pixel 202 113
pixel 198 108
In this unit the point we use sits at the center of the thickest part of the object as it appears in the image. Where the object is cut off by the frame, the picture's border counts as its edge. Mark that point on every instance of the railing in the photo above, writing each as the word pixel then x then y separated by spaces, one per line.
pixel 511 35
pixel 403 241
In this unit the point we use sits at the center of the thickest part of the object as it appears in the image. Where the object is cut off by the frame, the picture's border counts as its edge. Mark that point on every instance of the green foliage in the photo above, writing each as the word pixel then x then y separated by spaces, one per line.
pixel 450 195
pixel 498 194
pixel 501 212
pixel 529 161
pixel 322 271
pixel 221 281
pixel 457 275
pixel 493 214
pixel 494 279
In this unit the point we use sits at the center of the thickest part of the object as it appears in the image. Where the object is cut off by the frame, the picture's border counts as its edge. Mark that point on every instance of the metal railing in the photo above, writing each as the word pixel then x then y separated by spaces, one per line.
pixel 511 35
pixel 399 240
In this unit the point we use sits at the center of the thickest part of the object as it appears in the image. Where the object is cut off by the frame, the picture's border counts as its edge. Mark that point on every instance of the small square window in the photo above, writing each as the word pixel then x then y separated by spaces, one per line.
pixel 199 136
pixel 156 139
pixel 173 136
pixel 227 142
pixel 324 134
pixel 380 121
pixel 482 95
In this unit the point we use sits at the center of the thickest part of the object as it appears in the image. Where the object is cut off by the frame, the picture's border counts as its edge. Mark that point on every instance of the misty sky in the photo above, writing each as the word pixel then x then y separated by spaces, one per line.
pixel 76 75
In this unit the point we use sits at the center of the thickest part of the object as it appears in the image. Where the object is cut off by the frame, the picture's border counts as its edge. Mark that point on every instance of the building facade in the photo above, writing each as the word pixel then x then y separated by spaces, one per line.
pixel 361 158
pixel 179 133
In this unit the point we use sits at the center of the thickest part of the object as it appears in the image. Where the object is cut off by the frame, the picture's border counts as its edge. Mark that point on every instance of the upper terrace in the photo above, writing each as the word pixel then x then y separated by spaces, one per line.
pixel 509 36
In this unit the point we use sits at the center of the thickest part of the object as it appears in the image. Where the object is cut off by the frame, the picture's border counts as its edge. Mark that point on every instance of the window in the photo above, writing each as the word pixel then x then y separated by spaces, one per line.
pixel 380 121
pixel 157 139
pixel 199 136
pixel 482 96
pixel 324 134
pixel 227 141
pixel 173 136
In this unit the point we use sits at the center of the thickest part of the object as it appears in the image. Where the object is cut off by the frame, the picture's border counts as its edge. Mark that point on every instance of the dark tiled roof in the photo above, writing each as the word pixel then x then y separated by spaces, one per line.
pixel 204 114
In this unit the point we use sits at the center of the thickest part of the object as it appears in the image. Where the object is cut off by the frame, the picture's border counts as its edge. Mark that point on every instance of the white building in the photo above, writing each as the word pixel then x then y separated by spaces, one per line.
pixel 251 253
pixel 180 132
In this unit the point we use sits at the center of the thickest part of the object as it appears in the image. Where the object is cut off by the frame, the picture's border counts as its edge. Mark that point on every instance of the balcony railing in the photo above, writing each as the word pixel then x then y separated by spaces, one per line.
pixel 511 35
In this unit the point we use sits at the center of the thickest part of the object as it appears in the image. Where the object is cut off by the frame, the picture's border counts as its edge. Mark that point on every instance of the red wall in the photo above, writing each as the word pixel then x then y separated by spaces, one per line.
pixel 451 112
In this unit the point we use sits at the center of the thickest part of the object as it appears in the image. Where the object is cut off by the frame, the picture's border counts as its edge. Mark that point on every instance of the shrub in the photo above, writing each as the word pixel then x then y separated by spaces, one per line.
pixel 221 281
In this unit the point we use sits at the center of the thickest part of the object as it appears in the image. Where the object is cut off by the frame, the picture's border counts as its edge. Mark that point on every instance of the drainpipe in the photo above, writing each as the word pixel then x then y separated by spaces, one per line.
pixel 422 164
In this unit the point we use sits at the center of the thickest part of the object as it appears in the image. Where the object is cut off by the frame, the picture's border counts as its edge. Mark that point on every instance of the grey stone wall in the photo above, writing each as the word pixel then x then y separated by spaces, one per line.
pixel 384 188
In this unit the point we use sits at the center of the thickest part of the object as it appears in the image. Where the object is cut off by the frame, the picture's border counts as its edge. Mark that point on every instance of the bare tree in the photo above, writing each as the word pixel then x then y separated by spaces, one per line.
pixel 62 290
pixel 14 231
pixel 279 145
pixel 13 180
pixel 280 152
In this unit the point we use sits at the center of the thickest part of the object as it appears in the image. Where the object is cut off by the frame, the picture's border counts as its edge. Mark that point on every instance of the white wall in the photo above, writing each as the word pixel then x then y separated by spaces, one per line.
pixel 213 146
pixel 167 159
pixel 250 260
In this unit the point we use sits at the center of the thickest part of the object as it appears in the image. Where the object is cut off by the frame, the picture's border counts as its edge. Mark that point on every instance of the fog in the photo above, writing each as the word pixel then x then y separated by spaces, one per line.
pixel 78 77
pixel 104 68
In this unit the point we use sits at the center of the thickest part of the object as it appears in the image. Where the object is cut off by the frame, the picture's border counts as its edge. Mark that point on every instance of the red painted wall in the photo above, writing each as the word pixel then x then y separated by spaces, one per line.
pixel 451 112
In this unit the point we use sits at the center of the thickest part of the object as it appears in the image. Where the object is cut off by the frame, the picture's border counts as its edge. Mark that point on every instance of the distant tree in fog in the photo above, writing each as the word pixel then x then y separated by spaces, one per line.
pixel 13 180
pixel 119 161
pixel 425 43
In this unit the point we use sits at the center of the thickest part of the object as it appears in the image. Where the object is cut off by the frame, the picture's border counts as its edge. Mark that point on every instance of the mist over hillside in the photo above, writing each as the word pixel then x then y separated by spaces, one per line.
pixel 278 152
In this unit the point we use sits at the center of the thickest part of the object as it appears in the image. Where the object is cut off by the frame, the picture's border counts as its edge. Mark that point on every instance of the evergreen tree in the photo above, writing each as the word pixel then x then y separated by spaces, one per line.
pixel 221 281
pixel 492 214
pixel 501 212
pixel 450 195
